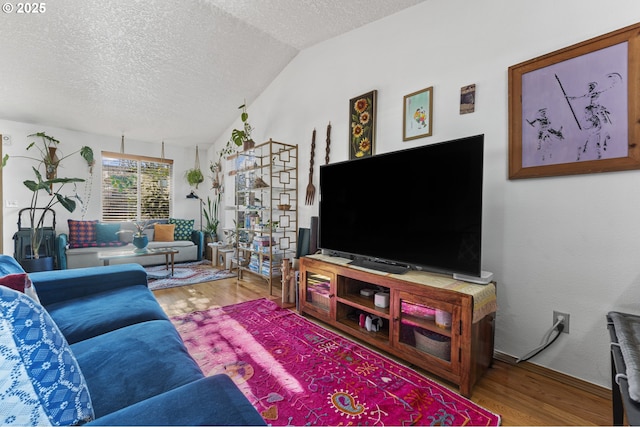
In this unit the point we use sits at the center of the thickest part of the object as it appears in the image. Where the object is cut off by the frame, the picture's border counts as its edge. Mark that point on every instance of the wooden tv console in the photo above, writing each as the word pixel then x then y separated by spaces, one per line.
pixel 431 320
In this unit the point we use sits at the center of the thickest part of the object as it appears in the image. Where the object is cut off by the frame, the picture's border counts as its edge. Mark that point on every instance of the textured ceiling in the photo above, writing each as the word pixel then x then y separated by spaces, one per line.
pixel 160 69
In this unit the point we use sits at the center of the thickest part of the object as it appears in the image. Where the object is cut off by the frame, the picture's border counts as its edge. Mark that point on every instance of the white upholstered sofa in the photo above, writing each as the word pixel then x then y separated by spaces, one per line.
pixel 80 247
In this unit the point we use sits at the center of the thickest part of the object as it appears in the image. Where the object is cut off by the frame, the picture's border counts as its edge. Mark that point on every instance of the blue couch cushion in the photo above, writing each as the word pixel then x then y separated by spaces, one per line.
pixel 224 404
pixel 105 312
pixel 42 383
pixel 130 364
pixel 64 285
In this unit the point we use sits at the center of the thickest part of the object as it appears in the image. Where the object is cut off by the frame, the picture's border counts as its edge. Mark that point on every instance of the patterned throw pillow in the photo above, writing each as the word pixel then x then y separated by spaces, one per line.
pixel 184 228
pixel 82 232
pixel 47 386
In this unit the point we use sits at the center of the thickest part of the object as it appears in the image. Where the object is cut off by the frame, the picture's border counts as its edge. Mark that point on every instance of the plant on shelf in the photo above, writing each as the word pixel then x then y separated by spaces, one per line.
pixel 50 188
pixel 242 137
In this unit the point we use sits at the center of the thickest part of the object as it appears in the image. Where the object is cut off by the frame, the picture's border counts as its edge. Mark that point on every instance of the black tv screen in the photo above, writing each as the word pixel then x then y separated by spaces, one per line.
pixel 420 208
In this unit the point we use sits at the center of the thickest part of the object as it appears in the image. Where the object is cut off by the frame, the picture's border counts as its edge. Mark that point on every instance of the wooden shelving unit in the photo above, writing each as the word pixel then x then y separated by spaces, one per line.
pixel 429 326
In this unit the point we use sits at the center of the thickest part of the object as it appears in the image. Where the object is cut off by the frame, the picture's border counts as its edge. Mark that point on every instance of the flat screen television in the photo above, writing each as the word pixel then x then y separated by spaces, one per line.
pixel 419 208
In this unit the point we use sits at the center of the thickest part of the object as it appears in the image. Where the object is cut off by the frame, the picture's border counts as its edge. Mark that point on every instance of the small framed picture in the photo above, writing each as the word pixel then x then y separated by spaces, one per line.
pixel 362 116
pixel 467 99
pixel 418 114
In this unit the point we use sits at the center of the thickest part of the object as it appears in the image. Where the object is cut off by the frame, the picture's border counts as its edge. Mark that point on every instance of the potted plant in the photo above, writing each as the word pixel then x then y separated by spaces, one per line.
pixel 46 193
pixel 140 240
pixel 210 212
pixel 242 137
pixel 194 175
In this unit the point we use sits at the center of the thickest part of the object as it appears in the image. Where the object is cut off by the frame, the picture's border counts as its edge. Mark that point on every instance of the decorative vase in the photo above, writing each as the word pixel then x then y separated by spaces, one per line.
pixel 140 242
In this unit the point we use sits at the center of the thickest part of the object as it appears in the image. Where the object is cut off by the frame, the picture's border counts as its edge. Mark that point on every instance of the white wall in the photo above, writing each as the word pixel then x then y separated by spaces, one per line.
pixel 18 170
pixel 565 243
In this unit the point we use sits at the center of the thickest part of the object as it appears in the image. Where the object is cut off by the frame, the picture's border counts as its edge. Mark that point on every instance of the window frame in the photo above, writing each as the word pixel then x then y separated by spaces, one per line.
pixel 106 188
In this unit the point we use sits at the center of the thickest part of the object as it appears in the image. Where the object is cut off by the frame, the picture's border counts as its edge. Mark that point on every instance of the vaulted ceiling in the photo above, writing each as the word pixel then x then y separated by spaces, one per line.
pixel 159 69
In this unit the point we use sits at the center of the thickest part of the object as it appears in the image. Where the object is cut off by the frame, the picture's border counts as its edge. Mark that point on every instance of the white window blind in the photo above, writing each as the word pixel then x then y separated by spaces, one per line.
pixel 135 187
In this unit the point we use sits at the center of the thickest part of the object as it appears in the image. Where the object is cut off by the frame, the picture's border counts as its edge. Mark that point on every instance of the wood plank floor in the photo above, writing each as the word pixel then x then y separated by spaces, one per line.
pixel 521 396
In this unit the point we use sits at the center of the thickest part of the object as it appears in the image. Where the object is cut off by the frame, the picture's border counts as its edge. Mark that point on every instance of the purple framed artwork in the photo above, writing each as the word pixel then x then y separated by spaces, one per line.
pixel 572 112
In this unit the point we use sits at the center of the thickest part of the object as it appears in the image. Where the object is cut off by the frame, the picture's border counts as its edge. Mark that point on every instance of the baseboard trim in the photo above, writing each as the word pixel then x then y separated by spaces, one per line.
pixel 586 386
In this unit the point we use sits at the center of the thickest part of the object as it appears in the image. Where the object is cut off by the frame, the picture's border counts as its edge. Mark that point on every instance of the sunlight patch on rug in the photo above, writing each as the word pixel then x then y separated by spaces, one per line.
pixel 188 273
pixel 296 372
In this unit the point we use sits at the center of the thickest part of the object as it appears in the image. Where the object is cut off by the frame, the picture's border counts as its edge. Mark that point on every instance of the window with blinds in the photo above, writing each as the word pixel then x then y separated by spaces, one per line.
pixel 135 188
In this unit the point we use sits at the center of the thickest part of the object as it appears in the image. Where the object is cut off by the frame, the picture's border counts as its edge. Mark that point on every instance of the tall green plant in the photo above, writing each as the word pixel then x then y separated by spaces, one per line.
pixel 53 188
pixel 210 212
pixel 50 188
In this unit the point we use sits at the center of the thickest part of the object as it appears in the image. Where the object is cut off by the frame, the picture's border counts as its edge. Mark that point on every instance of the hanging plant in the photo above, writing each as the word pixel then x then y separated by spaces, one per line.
pixel 242 137
pixel 194 176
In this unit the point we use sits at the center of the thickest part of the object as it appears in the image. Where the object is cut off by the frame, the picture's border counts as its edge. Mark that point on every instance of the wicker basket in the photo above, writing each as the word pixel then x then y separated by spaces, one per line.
pixel 319 295
pixel 433 343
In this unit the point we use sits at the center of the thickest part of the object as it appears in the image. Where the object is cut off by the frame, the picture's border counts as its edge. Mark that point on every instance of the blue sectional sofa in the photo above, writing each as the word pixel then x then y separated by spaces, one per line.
pixel 100 350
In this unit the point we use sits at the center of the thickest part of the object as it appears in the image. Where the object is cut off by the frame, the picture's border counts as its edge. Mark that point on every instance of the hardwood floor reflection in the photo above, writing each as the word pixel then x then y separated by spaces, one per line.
pixel 521 396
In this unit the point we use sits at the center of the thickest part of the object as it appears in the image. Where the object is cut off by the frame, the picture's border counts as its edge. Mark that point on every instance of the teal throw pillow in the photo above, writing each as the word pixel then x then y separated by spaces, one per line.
pixel 106 232
pixel 46 386
pixel 184 228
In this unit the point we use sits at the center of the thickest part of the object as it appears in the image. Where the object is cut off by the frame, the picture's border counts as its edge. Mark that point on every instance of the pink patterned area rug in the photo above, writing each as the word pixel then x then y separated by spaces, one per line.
pixel 298 373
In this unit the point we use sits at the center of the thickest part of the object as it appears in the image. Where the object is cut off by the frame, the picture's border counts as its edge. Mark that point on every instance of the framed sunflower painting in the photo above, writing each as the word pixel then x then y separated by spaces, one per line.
pixel 418 114
pixel 362 113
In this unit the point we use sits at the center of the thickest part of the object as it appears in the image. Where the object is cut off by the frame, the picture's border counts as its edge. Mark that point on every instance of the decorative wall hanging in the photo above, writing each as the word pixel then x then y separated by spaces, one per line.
pixel 328 149
pixel 576 110
pixel 417 114
pixel 468 99
pixel 362 116
pixel 311 189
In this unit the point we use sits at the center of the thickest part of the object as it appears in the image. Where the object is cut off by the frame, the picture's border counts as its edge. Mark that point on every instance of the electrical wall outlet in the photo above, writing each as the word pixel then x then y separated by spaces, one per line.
pixel 565 321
